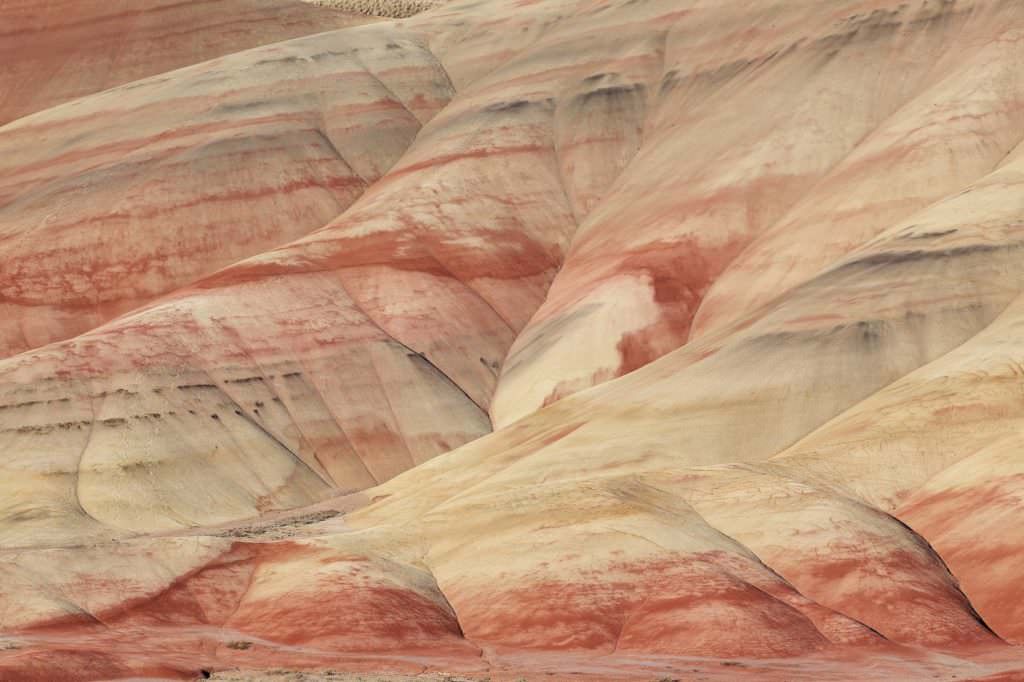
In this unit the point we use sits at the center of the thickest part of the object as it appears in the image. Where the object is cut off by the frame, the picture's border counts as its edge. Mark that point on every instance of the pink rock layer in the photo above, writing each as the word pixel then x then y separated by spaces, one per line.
pixel 614 340
pixel 54 51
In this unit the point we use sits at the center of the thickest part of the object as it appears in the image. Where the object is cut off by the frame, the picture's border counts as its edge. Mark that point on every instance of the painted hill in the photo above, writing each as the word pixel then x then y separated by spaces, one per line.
pixel 628 339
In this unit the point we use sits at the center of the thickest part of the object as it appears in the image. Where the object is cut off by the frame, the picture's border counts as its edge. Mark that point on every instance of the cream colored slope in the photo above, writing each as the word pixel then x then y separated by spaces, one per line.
pixel 925 287
pixel 333 362
pixel 940 450
pixel 474 41
pixel 614 566
pixel 884 448
pixel 713 174
pixel 920 291
pixel 963 123
pixel 887 446
pixel 843 554
pixel 597 563
pixel 972 513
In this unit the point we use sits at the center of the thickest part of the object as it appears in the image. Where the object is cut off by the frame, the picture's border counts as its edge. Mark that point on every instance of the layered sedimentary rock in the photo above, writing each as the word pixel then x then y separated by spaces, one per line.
pixel 122 197
pixel 716 189
pixel 56 50
pixel 737 290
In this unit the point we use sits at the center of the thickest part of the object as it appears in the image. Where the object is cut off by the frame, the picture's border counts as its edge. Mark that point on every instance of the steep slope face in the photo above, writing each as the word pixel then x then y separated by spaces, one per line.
pixel 979 497
pixel 714 183
pixel 834 548
pixel 808 483
pixel 56 50
pixel 938 450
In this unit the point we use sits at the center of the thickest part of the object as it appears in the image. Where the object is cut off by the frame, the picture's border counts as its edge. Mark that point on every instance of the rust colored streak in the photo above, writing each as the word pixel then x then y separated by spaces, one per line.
pixel 510 255
pixel 680 274
pixel 483 153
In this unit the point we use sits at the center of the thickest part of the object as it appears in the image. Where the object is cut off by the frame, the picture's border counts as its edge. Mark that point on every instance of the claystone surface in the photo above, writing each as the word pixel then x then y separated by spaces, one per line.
pixel 543 339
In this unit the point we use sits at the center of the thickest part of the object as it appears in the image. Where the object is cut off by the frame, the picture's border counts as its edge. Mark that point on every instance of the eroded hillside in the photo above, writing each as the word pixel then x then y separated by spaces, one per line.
pixel 613 339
